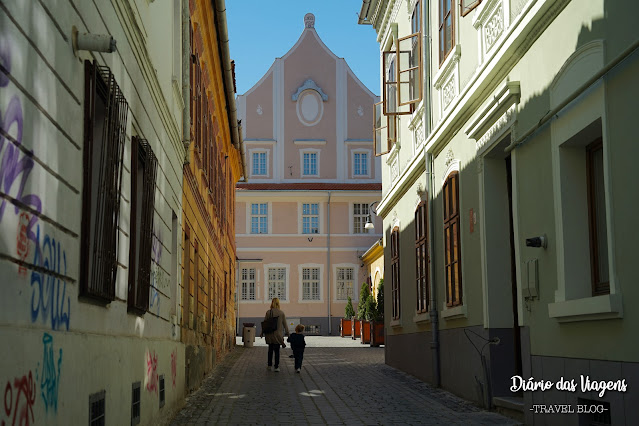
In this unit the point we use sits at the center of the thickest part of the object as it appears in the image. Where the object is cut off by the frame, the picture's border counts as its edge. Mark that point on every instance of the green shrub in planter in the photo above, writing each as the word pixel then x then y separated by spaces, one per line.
pixel 361 306
pixel 349 312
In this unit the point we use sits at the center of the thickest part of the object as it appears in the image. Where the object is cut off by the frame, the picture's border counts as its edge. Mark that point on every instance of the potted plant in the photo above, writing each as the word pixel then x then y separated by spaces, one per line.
pixel 370 310
pixel 345 325
pixel 377 324
pixel 361 311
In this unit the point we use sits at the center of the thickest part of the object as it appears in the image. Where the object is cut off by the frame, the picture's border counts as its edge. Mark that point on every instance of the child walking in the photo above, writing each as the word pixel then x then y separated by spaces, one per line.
pixel 297 344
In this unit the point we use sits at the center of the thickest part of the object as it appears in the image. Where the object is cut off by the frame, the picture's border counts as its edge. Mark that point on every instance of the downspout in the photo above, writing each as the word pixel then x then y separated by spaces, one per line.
pixel 432 309
pixel 186 84
pixel 328 260
pixel 227 69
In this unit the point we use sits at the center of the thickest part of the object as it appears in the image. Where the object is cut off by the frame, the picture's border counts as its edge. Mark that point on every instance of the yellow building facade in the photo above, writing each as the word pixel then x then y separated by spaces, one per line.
pixel 213 166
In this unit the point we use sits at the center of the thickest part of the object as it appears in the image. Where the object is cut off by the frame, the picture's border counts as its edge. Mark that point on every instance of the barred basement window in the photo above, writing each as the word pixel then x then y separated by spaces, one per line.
pixel 135 403
pixel 143 175
pixel 105 122
pixel 312 329
pixel 162 392
pixel 97 409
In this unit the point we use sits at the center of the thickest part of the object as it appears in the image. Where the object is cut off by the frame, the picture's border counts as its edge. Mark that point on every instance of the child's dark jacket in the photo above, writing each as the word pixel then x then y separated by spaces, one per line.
pixel 297 341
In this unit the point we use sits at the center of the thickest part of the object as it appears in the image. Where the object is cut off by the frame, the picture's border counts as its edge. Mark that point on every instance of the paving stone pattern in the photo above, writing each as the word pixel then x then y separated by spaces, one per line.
pixel 342 382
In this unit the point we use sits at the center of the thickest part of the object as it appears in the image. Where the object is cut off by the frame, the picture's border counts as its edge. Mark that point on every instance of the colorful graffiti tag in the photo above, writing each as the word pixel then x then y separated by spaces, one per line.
pixel 49 291
pixel 19 400
pixel 174 365
pixel 151 372
pixel 50 377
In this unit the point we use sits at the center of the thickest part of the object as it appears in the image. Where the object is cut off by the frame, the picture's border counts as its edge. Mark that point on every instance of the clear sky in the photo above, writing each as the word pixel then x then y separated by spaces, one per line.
pixel 262 30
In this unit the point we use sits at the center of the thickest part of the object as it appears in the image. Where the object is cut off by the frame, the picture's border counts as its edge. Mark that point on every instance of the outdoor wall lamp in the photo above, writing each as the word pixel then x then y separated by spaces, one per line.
pixel 369 222
pixel 541 241
pixel 92 42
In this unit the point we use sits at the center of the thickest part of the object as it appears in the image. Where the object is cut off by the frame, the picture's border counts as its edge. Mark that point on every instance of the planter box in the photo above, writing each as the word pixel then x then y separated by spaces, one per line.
pixel 377 333
pixel 355 329
pixel 345 327
pixel 366 332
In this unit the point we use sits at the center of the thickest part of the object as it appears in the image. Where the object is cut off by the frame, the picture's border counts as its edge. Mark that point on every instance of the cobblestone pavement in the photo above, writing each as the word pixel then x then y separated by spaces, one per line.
pixel 342 382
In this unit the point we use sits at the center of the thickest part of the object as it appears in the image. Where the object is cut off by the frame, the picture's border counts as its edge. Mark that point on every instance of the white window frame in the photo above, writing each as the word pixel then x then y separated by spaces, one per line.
pixel 259 151
pixel 250 215
pixel 356 284
pixel 302 215
pixel 317 163
pixel 246 281
pixel 300 271
pixel 287 275
pixel 368 153
pixel 351 222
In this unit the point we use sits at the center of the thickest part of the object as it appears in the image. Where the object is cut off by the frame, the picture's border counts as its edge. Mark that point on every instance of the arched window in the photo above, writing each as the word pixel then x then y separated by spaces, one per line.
pixel 395 272
pixel 421 256
pixel 452 247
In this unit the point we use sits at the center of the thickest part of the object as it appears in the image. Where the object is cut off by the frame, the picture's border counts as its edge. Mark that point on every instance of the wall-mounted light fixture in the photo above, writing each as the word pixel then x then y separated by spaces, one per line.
pixel 541 241
pixel 369 222
pixel 92 42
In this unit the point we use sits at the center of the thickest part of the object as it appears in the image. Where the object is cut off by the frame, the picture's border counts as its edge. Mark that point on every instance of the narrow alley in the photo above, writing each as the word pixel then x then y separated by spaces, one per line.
pixel 342 382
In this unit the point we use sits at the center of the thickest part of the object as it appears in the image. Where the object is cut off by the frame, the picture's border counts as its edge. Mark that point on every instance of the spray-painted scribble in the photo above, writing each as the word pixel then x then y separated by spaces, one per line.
pixel 22 244
pixel 19 400
pixel 50 381
pixel 174 365
pixel 15 164
pixel 151 372
pixel 49 292
pixel 159 280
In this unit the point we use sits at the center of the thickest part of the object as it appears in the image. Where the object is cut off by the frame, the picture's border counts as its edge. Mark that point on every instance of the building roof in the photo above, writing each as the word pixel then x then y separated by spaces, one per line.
pixel 309 186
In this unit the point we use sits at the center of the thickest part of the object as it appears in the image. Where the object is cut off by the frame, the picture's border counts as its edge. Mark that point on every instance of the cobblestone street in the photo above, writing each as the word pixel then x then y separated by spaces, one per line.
pixel 342 382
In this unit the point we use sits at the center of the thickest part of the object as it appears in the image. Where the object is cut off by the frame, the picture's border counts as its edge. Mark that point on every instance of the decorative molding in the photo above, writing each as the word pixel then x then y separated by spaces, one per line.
pixel 360 111
pixel 309 141
pixel 491 20
pixel 309 84
pixel 309 20
pixel 447 79
pixel 259 110
pixel 450 156
pixel 497 129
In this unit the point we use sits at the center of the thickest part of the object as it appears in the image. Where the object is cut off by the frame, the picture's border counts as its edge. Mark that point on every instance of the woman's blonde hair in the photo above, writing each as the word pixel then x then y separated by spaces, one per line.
pixel 275 303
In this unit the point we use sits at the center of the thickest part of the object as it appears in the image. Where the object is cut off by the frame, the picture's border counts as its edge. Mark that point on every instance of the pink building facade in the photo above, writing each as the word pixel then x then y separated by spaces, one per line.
pixel 312 175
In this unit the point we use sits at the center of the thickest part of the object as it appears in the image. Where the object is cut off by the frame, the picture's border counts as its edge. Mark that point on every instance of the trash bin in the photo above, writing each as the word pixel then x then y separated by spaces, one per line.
pixel 248 334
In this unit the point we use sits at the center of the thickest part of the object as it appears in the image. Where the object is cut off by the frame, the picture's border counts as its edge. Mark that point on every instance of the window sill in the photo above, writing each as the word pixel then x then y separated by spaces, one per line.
pixel 455 312
pixel 421 318
pixel 395 323
pixel 587 309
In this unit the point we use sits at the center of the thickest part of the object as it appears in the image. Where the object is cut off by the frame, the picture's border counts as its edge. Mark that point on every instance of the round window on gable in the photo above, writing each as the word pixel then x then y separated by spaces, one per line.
pixel 309 107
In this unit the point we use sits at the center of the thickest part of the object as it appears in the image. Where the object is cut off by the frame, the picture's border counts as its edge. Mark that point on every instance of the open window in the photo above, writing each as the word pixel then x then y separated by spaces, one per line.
pixel 384 130
pixel 466 6
pixel 409 85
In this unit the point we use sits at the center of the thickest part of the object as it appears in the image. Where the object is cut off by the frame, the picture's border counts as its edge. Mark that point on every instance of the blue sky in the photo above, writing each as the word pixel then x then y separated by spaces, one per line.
pixel 259 32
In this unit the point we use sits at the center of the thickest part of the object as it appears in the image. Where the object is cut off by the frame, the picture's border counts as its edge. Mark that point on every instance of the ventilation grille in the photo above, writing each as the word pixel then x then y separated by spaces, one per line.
pixel 162 395
pixel 312 329
pixel 135 403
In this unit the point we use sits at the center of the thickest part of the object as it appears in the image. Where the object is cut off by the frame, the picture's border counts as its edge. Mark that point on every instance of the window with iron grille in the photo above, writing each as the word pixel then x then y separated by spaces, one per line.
pixel 310 284
pixel 452 249
pixel 97 409
pixel 248 283
pixel 277 283
pixel 312 329
pixel 344 283
pixel 106 112
pixel 259 218
pixel 143 175
pixel 162 392
pixel 310 218
pixel 421 256
pixel 360 216
pixel 135 403
pixel 395 273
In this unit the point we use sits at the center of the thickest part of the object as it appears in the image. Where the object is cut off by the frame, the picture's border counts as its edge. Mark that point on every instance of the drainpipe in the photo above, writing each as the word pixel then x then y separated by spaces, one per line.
pixel 432 309
pixel 186 85
pixel 227 69
pixel 328 260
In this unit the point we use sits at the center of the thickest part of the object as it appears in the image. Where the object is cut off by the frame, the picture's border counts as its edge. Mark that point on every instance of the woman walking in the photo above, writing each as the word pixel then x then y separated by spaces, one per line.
pixel 275 338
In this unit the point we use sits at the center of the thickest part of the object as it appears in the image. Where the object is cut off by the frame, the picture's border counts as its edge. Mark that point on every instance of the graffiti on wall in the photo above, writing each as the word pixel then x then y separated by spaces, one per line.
pixel 48 297
pixel 22 243
pixel 19 400
pixel 151 372
pixel 159 279
pixel 16 164
pixel 174 365
pixel 50 380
